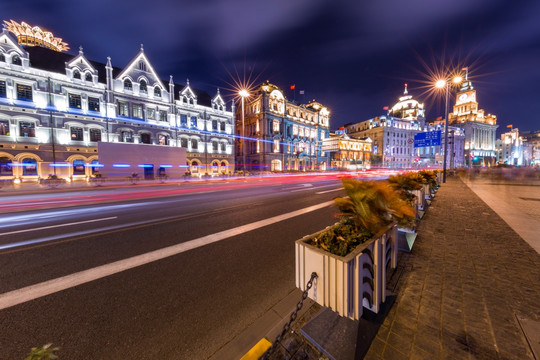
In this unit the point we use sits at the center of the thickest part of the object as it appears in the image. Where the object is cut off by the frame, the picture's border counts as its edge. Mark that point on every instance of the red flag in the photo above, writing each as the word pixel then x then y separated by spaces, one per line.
pixel 509 126
pixel 292 87
pixel 465 68
pixel 385 108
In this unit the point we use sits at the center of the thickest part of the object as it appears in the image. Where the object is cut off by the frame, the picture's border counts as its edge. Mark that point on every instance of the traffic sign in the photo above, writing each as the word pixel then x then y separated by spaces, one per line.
pixel 427 138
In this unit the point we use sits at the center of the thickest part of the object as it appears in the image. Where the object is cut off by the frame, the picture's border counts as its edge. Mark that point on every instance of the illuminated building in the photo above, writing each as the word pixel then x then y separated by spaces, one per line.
pixel 55 108
pixel 510 149
pixel 531 142
pixel 480 129
pixel 392 137
pixel 433 156
pixel 346 153
pixel 281 134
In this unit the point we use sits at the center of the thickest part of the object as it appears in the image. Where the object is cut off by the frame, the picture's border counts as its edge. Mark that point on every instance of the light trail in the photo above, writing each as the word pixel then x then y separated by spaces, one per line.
pixel 56 226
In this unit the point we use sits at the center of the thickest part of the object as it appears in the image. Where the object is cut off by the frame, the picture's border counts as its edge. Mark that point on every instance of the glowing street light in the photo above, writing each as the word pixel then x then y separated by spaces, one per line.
pixel 243 94
pixel 441 84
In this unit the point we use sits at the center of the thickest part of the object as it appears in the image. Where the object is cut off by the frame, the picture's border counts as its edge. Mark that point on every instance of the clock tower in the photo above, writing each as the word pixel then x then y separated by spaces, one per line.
pixel 466 107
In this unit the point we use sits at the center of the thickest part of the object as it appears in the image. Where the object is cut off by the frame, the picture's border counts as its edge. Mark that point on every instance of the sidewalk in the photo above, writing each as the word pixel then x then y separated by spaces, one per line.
pixel 466 291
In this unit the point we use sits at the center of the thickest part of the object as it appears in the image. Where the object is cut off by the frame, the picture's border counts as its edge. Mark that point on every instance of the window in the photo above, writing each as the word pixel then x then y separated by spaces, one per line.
pixel 301 132
pixel 145 138
pixel 78 167
pixel 123 109
pixel 27 129
pixel 6 167
pixel 151 113
pixel 295 130
pixel 76 133
pixel 214 145
pixel 2 57
pixel 74 101
pixel 183 120
pixel 4 127
pixel 222 126
pixel 16 60
pixel 24 92
pixel 126 136
pixel 137 111
pixel 93 104
pixel 29 166
pixel 195 144
pixel 275 126
pixel 214 125
pixel 157 91
pixel 193 121
pixel 162 115
pixel 142 65
pixel 128 85
pixel 276 145
pixel 142 86
pixel 76 74
pixel 163 139
pixel 3 92
pixel 88 77
pixel 95 135
pixel 95 168
pixel 183 142
pixel 222 146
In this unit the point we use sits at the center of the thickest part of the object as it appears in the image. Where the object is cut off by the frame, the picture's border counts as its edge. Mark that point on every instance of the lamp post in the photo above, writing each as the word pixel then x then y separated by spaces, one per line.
pixel 243 94
pixel 441 84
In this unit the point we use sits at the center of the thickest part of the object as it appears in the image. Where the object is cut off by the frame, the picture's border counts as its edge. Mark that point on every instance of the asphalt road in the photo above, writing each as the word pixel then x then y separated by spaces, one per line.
pixel 71 273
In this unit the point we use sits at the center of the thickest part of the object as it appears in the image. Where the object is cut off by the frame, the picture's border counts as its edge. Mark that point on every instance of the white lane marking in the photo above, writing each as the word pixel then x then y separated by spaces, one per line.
pixel 52 286
pixel 327 191
pixel 59 225
pixel 299 186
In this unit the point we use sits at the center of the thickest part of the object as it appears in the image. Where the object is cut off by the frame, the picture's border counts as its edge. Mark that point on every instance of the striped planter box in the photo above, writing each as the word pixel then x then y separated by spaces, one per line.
pixel 350 283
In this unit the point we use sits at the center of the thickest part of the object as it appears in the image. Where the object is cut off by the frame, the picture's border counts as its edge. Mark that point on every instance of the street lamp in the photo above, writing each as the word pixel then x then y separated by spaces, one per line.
pixel 441 84
pixel 243 94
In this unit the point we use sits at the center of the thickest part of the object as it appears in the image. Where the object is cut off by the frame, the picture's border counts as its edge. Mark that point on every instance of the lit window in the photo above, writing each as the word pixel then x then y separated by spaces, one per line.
pixel 151 113
pixel 27 129
pixel 163 139
pixel 123 109
pixel 93 104
pixel 29 166
pixel 76 133
pixel 4 127
pixel 6 166
pixel 276 145
pixel 78 167
pixel 142 86
pixel 126 136
pixel 74 101
pixel 137 111
pixel 275 126
pixel 295 130
pixel 128 85
pixel 24 92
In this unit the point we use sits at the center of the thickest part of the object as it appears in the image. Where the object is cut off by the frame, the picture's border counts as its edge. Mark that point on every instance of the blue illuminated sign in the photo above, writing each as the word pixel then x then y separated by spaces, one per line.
pixel 429 138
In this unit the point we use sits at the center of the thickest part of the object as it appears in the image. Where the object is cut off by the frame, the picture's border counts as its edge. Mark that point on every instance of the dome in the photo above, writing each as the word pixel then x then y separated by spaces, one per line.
pixel 407 107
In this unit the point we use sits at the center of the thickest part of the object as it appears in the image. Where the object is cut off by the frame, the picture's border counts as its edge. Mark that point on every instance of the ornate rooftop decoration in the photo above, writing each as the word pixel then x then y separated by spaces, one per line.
pixel 35 36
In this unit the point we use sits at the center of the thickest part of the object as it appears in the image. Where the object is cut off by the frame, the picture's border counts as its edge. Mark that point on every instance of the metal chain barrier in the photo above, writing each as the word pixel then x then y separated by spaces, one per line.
pixel 293 317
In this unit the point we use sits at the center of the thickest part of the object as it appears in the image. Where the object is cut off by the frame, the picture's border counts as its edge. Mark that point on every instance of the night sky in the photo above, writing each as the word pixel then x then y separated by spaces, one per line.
pixel 352 56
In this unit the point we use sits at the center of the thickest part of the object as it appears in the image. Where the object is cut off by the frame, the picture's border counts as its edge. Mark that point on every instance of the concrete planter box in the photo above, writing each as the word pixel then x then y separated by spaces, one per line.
pixel 420 201
pixel 406 238
pixel 348 284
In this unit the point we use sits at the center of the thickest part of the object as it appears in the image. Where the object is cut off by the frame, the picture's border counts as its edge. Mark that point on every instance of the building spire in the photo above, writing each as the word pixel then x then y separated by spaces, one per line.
pixel 80 50
pixel 142 48
pixel 405 92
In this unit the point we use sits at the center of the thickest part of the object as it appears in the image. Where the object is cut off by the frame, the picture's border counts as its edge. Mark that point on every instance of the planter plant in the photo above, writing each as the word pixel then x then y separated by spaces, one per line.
pixel 429 180
pixel 352 256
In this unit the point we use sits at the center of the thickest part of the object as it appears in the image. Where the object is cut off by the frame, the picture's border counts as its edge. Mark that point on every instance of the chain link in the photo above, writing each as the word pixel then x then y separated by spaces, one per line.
pixel 293 317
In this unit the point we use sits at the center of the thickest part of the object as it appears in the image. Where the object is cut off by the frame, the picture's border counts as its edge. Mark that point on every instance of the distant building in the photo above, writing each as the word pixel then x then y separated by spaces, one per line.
pixel 55 108
pixel 280 134
pixel 510 149
pixel 433 156
pixel 347 153
pixel 531 143
pixel 392 136
pixel 480 129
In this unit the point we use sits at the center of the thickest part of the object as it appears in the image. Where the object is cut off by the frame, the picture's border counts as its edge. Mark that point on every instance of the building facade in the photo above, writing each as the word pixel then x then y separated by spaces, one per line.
pixel 480 129
pixel 511 150
pixel 55 108
pixel 392 135
pixel 347 153
pixel 276 134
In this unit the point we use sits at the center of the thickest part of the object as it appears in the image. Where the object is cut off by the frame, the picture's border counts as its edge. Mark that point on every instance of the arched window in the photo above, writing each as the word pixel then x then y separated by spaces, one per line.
pixel 76 74
pixel 142 86
pixel 2 57
pixel 157 91
pixel 29 166
pixel 142 65
pixel 194 144
pixel 145 138
pixel 78 167
pixel 16 60
pixel 128 85
pixel 194 167
pixel 88 77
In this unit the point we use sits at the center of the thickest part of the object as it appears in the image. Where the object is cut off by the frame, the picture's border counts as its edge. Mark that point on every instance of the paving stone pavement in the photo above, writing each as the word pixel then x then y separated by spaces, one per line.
pixel 462 287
